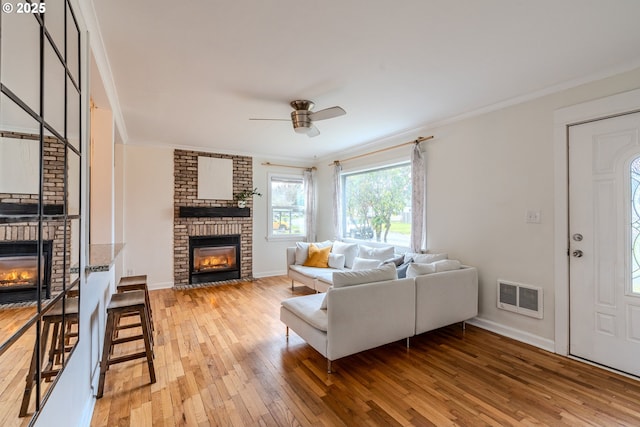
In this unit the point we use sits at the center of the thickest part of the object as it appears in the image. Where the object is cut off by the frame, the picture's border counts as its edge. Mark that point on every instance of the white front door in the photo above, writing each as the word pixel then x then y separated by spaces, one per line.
pixel 604 242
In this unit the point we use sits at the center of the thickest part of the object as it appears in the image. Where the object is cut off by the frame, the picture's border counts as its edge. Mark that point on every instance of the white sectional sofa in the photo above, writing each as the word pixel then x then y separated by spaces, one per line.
pixel 351 318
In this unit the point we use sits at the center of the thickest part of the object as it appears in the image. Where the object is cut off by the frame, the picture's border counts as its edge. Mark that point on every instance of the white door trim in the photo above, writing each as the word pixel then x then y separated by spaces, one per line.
pixel 563 118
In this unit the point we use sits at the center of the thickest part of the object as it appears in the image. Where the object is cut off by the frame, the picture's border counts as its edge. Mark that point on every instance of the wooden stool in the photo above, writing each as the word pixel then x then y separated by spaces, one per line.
pixel 123 304
pixel 137 283
pixel 60 344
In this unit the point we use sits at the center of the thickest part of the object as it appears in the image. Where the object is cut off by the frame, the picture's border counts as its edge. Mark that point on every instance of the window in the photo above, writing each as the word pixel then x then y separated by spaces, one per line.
pixel 635 225
pixel 377 205
pixel 286 206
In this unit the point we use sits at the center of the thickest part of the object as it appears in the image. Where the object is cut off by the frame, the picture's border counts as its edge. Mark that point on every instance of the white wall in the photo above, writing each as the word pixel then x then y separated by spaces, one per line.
pixel 269 256
pixel 102 176
pixel 148 214
pixel 483 174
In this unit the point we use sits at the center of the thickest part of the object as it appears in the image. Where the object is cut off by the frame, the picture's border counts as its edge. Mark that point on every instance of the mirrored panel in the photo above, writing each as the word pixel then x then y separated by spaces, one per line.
pixel 54 22
pixel 73 115
pixel 54 173
pixel 53 236
pixel 54 89
pixel 20 62
pixel 19 158
pixel 73 182
pixel 15 363
pixel 73 251
pixel 73 47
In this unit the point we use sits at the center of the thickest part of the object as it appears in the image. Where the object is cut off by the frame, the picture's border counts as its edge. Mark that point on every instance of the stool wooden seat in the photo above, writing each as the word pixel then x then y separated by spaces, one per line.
pixel 124 304
pixel 60 344
pixel 137 283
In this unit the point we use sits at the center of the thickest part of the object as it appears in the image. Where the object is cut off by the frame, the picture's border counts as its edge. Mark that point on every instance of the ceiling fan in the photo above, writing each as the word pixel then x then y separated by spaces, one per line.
pixel 302 117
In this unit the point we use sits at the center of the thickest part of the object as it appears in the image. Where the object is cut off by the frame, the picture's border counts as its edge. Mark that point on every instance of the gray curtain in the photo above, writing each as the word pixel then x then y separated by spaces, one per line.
pixel 310 203
pixel 337 201
pixel 418 205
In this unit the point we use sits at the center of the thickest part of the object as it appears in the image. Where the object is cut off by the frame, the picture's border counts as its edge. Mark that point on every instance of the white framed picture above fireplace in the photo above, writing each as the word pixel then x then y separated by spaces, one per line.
pixel 215 178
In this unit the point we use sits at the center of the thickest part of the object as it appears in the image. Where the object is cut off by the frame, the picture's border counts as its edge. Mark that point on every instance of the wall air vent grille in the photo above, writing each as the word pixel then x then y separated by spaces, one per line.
pixel 521 299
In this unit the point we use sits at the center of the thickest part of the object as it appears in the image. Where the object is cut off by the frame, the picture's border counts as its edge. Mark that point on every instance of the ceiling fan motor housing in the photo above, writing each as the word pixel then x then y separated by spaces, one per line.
pixel 301 121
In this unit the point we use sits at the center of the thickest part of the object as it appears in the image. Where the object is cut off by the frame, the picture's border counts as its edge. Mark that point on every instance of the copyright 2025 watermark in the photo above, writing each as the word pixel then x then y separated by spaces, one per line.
pixel 23 7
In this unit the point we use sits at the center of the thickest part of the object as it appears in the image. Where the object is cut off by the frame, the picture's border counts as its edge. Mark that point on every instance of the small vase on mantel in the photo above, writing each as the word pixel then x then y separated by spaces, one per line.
pixel 242 196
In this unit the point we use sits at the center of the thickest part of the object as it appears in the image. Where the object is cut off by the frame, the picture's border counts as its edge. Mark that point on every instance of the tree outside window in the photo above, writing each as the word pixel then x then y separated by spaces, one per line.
pixel 377 205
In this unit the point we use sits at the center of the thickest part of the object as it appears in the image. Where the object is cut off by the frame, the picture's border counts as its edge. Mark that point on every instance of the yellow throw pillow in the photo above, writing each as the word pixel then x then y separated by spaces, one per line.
pixel 318 257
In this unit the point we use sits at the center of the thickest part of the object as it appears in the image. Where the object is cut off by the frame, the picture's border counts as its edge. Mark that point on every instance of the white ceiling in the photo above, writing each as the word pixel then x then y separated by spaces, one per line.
pixel 192 73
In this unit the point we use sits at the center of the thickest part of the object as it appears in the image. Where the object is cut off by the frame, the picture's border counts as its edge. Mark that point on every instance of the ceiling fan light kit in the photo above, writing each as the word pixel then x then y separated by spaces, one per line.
pixel 302 117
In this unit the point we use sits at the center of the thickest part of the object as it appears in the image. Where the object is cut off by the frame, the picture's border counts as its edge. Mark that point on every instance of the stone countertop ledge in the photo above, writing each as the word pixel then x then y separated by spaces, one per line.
pixel 101 257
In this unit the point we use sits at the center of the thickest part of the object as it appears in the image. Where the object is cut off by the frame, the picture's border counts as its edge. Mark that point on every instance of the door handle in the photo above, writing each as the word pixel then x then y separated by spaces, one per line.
pixel 577 253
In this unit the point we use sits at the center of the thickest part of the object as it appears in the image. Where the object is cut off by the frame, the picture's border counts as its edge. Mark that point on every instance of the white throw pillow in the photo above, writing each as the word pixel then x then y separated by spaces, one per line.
pixel 350 278
pixel 408 256
pixel 428 258
pixel 380 254
pixel 447 265
pixel 349 250
pixel 364 264
pixel 302 250
pixel 336 261
pixel 416 269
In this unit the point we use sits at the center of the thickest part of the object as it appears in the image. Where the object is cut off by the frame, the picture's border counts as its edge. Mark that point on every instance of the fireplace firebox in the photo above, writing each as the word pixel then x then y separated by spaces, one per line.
pixel 214 258
pixel 19 278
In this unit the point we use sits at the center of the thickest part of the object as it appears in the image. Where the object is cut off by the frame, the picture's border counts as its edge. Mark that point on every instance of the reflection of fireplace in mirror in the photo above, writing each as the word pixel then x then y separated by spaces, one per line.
pixel 214 258
pixel 19 271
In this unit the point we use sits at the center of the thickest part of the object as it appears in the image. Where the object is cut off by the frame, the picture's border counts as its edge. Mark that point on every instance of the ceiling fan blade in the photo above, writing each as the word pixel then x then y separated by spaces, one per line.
pixel 313 131
pixel 279 120
pixel 327 113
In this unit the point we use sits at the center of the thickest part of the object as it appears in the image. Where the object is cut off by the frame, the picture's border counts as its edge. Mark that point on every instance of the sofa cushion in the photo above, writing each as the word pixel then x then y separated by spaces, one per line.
pixel 396 260
pixel 447 265
pixel 418 269
pixel 350 278
pixel 312 272
pixel 349 250
pixel 318 257
pixel 336 261
pixel 323 304
pixel 428 258
pixel 307 308
pixel 302 250
pixel 402 269
pixel 365 264
pixel 380 254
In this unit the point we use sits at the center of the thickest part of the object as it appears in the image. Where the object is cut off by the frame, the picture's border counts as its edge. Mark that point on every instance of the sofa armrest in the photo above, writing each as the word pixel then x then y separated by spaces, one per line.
pixel 291 256
pixel 365 316
pixel 446 298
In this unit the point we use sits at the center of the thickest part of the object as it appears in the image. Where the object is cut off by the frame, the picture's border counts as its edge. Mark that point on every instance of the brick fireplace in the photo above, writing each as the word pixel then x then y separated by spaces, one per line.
pixel 196 219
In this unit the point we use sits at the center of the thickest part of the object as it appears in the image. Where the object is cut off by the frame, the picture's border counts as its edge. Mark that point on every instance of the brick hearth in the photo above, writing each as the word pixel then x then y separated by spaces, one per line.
pixel 186 193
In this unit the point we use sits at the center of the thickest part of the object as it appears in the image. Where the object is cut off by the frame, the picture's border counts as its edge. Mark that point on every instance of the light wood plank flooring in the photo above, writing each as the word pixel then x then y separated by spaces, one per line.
pixel 222 359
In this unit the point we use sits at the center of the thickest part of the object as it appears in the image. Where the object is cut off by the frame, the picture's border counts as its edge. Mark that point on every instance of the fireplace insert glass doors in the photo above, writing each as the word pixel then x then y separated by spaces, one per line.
pixel 19 278
pixel 214 258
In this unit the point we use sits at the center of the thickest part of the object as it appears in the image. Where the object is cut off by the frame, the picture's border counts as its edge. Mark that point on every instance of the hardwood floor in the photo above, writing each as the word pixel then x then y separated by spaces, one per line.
pixel 222 359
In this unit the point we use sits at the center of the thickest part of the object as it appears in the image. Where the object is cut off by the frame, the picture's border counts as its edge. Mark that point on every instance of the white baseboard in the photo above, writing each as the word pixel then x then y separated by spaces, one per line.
pixel 160 285
pixel 270 273
pixel 516 334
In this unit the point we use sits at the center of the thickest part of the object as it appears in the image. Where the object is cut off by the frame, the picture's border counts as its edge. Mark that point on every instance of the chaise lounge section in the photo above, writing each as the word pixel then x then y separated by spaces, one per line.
pixel 376 308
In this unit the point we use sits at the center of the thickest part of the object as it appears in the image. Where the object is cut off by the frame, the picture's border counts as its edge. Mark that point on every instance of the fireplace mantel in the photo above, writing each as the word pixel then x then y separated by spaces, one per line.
pixel 212 212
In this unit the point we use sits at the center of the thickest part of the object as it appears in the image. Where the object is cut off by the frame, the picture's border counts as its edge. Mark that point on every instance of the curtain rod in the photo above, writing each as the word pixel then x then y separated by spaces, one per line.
pixel 287 166
pixel 415 141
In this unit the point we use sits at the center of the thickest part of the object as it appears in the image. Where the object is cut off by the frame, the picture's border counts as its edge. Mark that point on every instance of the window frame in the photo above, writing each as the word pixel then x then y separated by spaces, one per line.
pixel 343 201
pixel 290 177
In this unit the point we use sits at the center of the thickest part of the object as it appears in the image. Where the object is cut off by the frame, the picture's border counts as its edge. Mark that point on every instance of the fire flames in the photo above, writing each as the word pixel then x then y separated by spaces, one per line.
pixel 15 277
pixel 213 263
